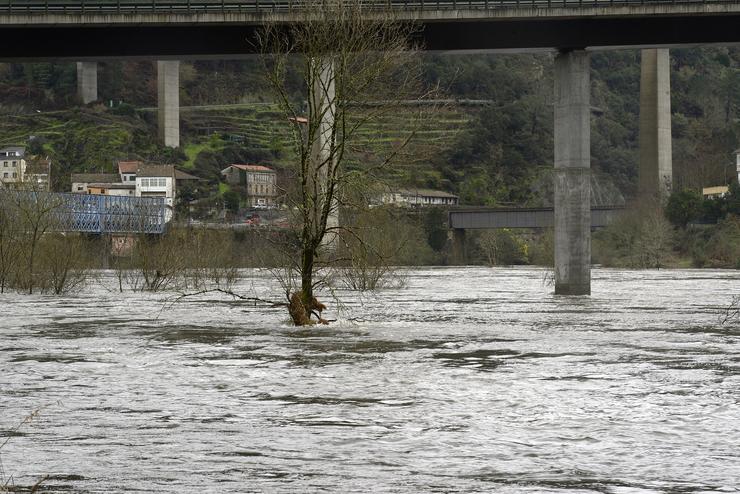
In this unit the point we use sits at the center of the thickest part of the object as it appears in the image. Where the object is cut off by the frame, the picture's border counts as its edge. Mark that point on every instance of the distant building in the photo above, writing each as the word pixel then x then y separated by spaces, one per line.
pixel 12 165
pixel 127 171
pixel 82 181
pixel 156 181
pixel 419 198
pixel 112 189
pixel 38 174
pixel 134 179
pixel 712 192
pixel 260 183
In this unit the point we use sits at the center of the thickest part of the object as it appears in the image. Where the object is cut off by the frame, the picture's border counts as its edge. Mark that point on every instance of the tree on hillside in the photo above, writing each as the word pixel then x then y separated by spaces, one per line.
pixel 683 207
pixel 354 66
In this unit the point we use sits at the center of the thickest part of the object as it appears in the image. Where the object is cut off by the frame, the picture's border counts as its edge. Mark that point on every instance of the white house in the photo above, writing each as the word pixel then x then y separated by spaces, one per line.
pixel 127 171
pixel 419 198
pixel 12 165
pixel 156 181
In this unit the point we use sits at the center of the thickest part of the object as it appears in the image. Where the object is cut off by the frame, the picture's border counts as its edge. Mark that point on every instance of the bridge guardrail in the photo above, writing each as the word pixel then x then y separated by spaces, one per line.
pixel 256 6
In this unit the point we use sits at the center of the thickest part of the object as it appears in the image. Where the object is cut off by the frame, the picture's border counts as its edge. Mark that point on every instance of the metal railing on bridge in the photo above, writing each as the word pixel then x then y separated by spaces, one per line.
pixel 258 6
pixel 490 218
pixel 85 213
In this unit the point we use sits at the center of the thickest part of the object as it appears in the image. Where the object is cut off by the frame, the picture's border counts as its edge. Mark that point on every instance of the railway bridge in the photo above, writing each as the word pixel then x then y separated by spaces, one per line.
pixel 171 30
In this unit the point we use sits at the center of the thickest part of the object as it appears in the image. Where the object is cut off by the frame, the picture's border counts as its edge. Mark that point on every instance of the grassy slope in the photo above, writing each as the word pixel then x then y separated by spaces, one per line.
pixel 92 139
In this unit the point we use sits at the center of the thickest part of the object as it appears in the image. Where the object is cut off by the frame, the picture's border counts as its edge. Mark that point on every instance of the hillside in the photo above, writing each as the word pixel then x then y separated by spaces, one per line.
pixel 499 152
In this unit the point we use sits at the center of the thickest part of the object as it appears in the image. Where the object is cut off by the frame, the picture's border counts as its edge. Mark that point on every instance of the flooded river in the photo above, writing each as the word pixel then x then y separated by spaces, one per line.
pixel 466 380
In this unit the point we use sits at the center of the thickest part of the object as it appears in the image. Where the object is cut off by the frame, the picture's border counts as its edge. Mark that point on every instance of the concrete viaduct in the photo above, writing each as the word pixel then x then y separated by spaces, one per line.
pixel 171 30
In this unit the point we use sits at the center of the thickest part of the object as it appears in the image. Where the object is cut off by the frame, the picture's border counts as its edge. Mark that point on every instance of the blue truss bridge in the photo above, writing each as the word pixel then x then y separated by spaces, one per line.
pixel 94 214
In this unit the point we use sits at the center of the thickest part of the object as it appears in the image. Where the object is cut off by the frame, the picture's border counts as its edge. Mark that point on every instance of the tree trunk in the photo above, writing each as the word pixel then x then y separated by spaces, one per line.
pixel 302 303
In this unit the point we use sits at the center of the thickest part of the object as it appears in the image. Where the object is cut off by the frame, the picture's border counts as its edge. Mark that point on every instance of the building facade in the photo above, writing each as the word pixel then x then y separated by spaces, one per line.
pixel 38 174
pixel 259 182
pixel 419 198
pixel 12 165
pixel 81 182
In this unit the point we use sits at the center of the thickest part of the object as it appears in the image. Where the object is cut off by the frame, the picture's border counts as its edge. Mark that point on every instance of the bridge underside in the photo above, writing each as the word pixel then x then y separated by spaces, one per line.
pixel 188 40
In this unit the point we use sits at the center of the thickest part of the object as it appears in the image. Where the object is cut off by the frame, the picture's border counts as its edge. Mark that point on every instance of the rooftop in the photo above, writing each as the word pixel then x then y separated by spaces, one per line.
pixel 128 166
pixel 155 171
pixel 105 185
pixel 181 175
pixel 250 168
pixel 13 151
pixel 95 178
pixel 426 193
pixel 717 189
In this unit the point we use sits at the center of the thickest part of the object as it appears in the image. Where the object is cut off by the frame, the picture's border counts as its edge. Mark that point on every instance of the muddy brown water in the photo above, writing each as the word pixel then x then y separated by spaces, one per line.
pixel 466 380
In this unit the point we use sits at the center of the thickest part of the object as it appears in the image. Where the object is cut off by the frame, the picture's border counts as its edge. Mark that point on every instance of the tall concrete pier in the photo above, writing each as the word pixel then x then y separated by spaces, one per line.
pixel 322 114
pixel 656 161
pixel 87 81
pixel 572 173
pixel 168 98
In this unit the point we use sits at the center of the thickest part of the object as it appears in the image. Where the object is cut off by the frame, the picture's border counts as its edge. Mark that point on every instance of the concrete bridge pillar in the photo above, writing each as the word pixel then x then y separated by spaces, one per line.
pixel 572 173
pixel 322 113
pixel 87 81
pixel 458 247
pixel 168 98
pixel 656 160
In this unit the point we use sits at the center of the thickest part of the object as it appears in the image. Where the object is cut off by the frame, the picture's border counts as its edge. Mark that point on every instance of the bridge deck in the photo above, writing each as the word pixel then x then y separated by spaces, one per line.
pixel 178 29
pixel 489 218
pixel 437 7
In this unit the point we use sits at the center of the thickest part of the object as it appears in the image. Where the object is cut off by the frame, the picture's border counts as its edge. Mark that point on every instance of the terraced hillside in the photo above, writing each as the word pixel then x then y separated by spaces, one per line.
pixel 264 127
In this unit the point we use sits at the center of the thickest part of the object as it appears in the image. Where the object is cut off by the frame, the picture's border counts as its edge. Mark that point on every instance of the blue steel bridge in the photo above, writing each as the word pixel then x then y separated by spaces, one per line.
pixel 95 214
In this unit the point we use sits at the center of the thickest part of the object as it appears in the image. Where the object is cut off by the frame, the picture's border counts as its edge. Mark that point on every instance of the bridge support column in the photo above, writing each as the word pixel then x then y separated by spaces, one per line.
pixel 458 247
pixel 87 81
pixel 323 110
pixel 168 98
pixel 572 173
pixel 656 160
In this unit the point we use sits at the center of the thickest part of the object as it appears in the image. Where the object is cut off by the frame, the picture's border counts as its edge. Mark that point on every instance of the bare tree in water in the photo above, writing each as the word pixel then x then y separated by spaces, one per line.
pixel 356 66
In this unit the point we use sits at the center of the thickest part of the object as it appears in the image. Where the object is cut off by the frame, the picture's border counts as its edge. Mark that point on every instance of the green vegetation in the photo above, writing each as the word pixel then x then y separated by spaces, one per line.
pixel 687 206
pixel 495 152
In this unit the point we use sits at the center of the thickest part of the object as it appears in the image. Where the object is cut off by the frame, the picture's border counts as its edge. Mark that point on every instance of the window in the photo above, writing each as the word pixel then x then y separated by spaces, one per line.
pixel 15 175
pixel 5 175
pixel 15 163
pixel 5 164
pixel 80 187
